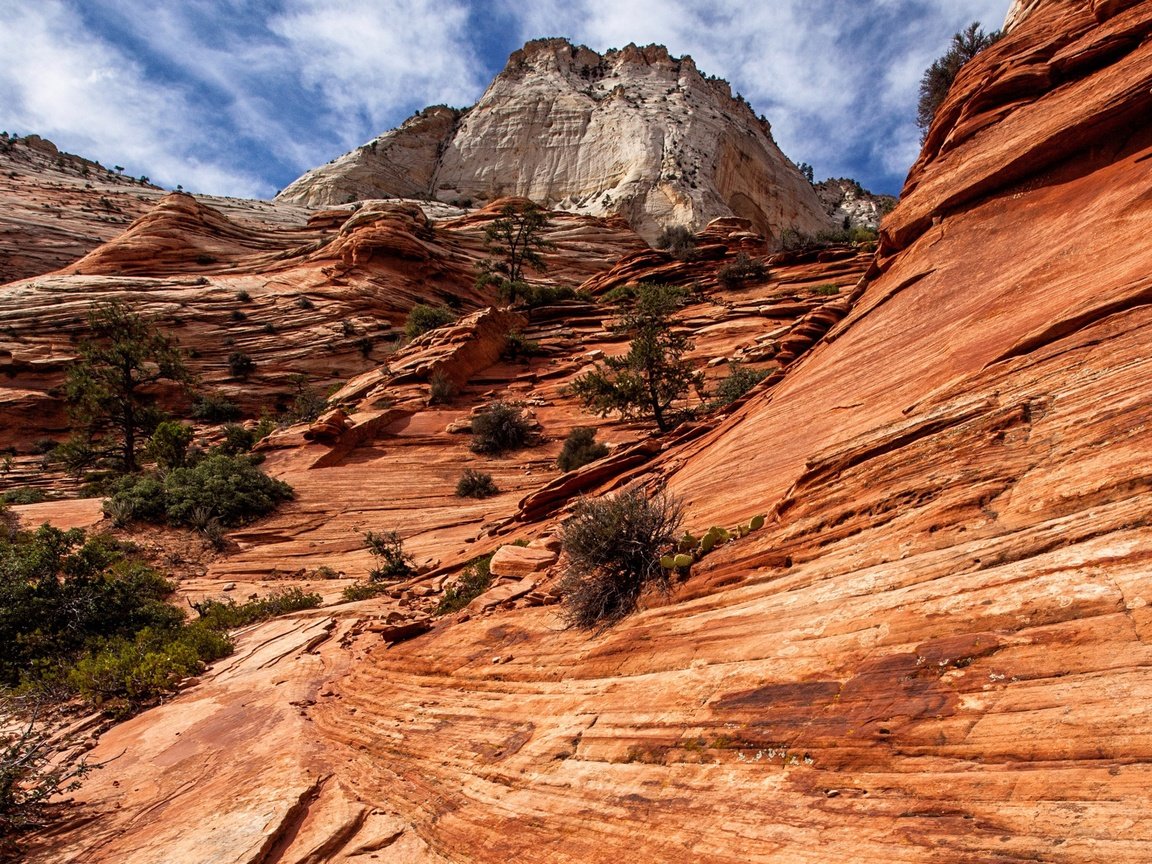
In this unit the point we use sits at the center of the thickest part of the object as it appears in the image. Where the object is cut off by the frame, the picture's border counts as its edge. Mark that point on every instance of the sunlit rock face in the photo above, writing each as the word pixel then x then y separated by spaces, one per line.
pixel 634 132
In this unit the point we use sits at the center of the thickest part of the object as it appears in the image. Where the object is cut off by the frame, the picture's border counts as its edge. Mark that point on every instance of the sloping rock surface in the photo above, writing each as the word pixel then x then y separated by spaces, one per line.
pixel 635 132
pixel 937 649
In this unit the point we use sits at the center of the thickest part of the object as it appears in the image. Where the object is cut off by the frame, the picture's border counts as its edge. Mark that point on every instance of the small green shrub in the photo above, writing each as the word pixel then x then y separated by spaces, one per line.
pixel 240 364
pixel 741 270
pixel 474 581
pixel 308 403
pixel 24 495
pixel 499 427
pixel 613 548
pixel 243 296
pixel 739 381
pixel 229 489
pixel 132 672
pixel 136 497
pixel 423 318
pixel 476 484
pixel 580 448
pixel 678 240
pixel 364 591
pixel 214 408
pixel 229 615
pixel 168 446
pixel 828 290
pixel 237 439
pixel 392 561
pixel 442 389
pixel 519 348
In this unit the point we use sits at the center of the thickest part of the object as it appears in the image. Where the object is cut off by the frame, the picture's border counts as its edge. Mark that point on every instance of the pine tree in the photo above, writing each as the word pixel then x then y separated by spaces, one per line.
pixel 939 76
pixel 108 390
pixel 647 381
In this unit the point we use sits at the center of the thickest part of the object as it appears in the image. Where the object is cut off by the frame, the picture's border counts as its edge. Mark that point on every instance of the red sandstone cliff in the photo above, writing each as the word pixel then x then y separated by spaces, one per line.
pixel 937 650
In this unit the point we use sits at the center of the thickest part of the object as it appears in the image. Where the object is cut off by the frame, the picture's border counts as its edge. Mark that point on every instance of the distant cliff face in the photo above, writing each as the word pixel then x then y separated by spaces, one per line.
pixel 635 132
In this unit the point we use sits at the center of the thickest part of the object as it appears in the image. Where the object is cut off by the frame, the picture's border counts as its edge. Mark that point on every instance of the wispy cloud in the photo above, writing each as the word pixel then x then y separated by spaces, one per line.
pixel 838 81
pixel 60 82
pixel 240 96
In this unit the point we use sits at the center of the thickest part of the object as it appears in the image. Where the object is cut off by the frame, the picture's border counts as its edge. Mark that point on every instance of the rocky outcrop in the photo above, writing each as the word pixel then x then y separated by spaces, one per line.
pixel 936 648
pixel 850 205
pixel 635 132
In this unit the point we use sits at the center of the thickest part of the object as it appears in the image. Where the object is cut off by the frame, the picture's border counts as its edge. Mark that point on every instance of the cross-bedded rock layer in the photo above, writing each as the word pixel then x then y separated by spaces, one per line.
pixel 937 649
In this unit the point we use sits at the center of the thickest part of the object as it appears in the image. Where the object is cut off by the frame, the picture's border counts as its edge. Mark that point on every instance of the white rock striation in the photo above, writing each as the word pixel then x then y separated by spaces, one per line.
pixel 635 132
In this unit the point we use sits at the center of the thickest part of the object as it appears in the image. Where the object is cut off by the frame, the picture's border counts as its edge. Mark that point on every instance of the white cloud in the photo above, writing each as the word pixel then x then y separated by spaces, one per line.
pixel 369 60
pixel 230 95
pixel 835 79
pixel 93 98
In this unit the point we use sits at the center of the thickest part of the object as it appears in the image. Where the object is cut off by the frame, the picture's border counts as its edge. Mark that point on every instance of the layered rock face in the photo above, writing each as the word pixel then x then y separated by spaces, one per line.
pixel 936 650
pixel 634 132
pixel 851 205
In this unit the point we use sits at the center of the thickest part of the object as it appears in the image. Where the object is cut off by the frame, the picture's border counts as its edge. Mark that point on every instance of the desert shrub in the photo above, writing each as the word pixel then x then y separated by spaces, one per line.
pixel 214 408
pixel 474 581
pixel 243 296
pixel 534 296
pixel 826 290
pixel 24 495
pixel 168 446
pixel 499 427
pixel 613 548
pixel 307 404
pixel 61 593
pixel 423 318
pixel 392 561
pixel 240 364
pixel 136 497
pixel 678 240
pixel 125 673
pixel 31 771
pixel 442 389
pixel 742 269
pixel 621 295
pixel 476 484
pixel 228 614
pixel 229 489
pixel 364 591
pixel 303 302
pixel 519 348
pixel 580 448
pixel 740 380
pixel 237 439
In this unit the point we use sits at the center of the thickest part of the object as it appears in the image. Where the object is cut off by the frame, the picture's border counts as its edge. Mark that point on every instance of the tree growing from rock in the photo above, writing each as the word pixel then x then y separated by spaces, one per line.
pixel 516 241
pixel 652 376
pixel 109 390
pixel 938 77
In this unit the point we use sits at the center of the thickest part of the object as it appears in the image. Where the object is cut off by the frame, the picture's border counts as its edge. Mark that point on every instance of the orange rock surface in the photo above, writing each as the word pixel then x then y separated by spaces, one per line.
pixel 937 648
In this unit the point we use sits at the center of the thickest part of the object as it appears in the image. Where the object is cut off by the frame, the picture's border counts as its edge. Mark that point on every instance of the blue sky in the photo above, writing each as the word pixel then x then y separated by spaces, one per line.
pixel 239 97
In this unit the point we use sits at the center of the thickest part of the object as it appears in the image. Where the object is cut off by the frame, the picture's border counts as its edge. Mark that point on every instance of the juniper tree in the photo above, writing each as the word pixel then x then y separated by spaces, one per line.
pixel 516 240
pixel 109 389
pixel 648 380
pixel 938 77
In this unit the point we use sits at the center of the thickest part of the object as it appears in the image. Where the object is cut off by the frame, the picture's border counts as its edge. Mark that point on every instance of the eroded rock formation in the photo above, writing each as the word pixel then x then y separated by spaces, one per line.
pixel 635 132
pixel 937 649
